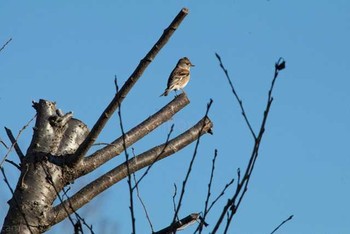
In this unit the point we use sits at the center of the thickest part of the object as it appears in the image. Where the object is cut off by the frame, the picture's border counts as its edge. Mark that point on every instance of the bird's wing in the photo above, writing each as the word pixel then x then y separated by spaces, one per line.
pixel 177 75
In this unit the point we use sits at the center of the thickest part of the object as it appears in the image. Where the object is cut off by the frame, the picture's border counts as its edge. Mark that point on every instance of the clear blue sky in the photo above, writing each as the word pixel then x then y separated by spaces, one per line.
pixel 69 52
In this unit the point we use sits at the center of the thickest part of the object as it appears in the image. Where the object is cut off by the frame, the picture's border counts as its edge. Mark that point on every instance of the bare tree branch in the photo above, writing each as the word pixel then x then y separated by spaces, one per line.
pixel 119 97
pixel 79 218
pixel 150 166
pixel 6 43
pixel 4 144
pixel 116 147
pixel 205 212
pixel 207 208
pixel 142 203
pixel 234 202
pixel 221 194
pixel 143 160
pixel 281 224
pixel 236 96
pixel 13 163
pixel 174 196
pixel 14 143
pixel 131 196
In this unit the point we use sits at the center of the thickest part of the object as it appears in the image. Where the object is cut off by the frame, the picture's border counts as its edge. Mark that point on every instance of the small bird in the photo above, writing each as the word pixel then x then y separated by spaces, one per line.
pixel 179 77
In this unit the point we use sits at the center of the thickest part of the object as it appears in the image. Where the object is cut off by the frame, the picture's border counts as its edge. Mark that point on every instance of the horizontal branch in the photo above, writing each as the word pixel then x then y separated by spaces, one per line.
pixel 86 194
pixel 116 147
pixel 119 97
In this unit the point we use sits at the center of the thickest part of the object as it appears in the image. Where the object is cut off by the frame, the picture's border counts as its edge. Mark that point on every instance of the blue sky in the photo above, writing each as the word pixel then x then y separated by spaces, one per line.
pixel 69 52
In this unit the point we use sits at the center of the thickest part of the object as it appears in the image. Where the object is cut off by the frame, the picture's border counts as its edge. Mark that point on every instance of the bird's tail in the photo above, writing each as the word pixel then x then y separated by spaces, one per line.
pixel 165 93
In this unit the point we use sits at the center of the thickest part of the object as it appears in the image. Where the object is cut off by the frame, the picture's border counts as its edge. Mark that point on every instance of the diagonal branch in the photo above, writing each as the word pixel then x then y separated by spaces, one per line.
pixel 240 102
pixel 119 97
pixel 116 147
pixel 4 144
pixel 14 143
pixel 142 203
pixel 150 166
pixel 6 43
pixel 16 139
pixel 86 194
pixel 13 164
pixel 281 224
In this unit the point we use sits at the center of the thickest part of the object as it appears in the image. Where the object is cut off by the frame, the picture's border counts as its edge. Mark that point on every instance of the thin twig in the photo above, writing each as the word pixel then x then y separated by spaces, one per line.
pixel 19 134
pixel 228 220
pixel 231 207
pixel 240 102
pixel 174 202
pixel 238 177
pixel 77 225
pixel 155 160
pixel 116 85
pixel 4 144
pixel 142 203
pixel 13 163
pixel 78 217
pixel 221 194
pixel 131 196
pixel 286 220
pixel 183 188
pixel 6 180
pixel 210 183
pixel 6 43
pixel 200 227
pixel 50 180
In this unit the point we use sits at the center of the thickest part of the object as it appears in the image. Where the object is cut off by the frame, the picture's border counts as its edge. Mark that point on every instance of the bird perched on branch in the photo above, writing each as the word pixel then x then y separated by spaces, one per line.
pixel 179 77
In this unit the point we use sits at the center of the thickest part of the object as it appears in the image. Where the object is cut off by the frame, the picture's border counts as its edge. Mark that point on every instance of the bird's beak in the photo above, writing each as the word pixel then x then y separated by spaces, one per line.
pixel 192 65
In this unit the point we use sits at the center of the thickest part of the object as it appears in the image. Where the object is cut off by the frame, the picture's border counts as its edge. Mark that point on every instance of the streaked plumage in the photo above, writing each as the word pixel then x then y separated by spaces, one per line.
pixel 179 77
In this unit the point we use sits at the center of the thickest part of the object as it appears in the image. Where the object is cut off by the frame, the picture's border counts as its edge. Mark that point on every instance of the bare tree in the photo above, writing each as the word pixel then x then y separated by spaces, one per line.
pixel 58 151
pixel 58 155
